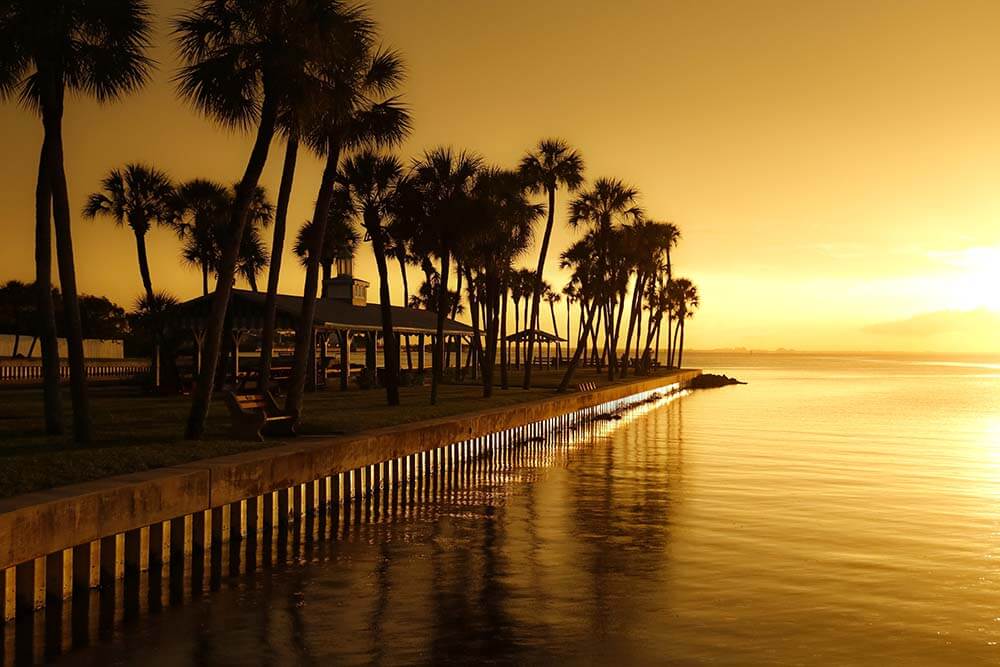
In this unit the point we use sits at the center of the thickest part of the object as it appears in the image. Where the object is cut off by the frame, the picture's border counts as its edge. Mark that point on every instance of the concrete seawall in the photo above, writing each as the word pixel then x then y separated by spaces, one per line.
pixel 42 533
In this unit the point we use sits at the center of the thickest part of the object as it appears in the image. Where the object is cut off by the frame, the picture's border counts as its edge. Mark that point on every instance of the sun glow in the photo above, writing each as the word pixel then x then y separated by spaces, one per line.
pixel 974 281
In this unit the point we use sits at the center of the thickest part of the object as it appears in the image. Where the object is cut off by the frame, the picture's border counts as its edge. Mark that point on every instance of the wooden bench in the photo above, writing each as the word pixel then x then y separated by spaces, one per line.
pixel 586 386
pixel 253 415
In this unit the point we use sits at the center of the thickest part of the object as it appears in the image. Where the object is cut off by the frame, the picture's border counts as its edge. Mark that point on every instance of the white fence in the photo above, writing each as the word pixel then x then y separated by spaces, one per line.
pixel 93 348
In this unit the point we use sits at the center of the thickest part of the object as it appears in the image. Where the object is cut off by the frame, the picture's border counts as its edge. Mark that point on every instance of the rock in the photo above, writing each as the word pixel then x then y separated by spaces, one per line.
pixel 710 381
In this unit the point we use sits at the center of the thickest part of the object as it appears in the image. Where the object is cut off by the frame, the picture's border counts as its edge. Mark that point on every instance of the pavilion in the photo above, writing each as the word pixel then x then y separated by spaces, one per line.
pixel 342 313
pixel 541 336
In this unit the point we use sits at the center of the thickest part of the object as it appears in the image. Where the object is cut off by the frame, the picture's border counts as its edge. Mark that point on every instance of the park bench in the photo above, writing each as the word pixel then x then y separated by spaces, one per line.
pixel 586 386
pixel 255 414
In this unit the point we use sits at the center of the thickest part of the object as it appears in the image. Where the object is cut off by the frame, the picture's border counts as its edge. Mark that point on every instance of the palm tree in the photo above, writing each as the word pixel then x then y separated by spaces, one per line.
pixel 136 196
pixel 244 62
pixel 593 289
pixel 49 48
pixel 439 194
pixel 199 212
pixel 151 313
pixel 196 209
pixel 649 242
pixel 355 110
pixel 684 297
pixel 371 179
pixel 553 298
pixel 551 165
pixel 506 221
pixel 605 207
pixel 339 242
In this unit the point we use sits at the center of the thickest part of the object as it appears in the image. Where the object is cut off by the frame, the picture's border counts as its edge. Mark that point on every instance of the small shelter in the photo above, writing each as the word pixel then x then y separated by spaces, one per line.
pixel 342 313
pixel 523 336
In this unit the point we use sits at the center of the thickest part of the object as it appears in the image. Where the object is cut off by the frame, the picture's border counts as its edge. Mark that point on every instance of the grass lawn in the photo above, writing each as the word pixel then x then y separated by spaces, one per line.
pixel 135 432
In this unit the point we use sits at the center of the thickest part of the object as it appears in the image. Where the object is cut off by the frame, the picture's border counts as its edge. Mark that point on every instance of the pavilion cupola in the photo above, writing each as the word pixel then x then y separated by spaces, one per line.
pixel 344 286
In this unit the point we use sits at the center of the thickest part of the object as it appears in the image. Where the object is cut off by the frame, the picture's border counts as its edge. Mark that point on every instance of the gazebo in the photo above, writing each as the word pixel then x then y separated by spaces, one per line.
pixel 342 313
pixel 540 337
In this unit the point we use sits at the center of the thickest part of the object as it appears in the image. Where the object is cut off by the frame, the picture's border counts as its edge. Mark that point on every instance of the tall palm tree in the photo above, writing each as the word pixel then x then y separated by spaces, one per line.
pixel 370 179
pixel 243 63
pixel 506 221
pixel 196 209
pixel 49 48
pixel 136 196
pixel 441 184
pixel 553 164
pixel 607 206
pixel 684 296
pixel 355 109
pixel 590 276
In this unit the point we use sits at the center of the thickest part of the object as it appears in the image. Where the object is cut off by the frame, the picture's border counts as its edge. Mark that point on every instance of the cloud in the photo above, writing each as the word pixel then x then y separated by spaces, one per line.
pixel 978 322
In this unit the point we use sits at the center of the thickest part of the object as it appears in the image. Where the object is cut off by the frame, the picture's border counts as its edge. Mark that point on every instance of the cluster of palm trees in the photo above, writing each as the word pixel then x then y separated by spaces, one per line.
pixel 312 73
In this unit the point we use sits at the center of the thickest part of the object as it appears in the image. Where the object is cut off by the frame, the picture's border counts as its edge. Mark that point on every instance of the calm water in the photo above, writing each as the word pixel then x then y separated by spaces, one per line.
pixel 836 510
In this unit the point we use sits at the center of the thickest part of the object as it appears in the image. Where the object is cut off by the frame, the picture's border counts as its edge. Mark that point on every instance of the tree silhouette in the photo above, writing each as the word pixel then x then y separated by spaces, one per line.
pixel 553 164
pixel 136 197
pixel 49 48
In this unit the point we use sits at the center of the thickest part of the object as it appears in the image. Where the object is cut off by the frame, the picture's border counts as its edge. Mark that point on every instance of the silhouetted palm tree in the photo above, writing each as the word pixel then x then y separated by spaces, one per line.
pixel 371 181
pixel 151 316
pixel 605 207
pixel 339 242
pixel 136 196
pixel 505 222
pixel 353 109
pixel 553 164
pixel 243 63
pixel 684 298
pixel 49 48
pixel 200 213
pixel 439 192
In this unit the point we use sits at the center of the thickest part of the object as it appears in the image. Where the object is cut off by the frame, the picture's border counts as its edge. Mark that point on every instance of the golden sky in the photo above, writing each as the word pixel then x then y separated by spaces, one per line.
pixel 832 165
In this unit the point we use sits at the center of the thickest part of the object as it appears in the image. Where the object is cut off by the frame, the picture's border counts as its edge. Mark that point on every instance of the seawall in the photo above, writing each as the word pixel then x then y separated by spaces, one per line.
pixel 76 537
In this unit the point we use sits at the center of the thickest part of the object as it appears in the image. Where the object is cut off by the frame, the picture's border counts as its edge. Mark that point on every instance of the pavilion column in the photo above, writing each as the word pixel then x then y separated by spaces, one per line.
pixel 420 355
pixel 399 352
pixel 311 377
pixel 199 341
pixel 323 338
pixel 371 358
pixel 345 358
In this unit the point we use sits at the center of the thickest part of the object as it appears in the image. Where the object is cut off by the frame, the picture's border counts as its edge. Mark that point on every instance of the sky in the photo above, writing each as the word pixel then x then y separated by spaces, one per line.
pixel 831 164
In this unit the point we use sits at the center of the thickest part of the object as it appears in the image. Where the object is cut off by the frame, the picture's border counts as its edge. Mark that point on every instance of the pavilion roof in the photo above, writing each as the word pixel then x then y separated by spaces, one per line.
pixel 246 310
pixel 542 336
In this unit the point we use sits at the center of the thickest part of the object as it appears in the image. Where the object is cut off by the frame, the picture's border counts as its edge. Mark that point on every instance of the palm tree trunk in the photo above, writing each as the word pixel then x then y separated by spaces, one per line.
pixel 442 312
pixel 204 279
pixel 670 340
pixel 147 282
pixel 574 362
pixel 303 333
pixel 504 352
pixel 680 346
pixel 390 351
pixel 52 119
pixel 631 328
pixel 46 310
pixel 274 268
pixel 202 394
pixel 405 304
pixel 536 292
pixel 517 327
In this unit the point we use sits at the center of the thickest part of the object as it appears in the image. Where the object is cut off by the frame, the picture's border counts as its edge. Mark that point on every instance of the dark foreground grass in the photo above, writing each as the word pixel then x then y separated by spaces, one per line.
pixel 135 432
